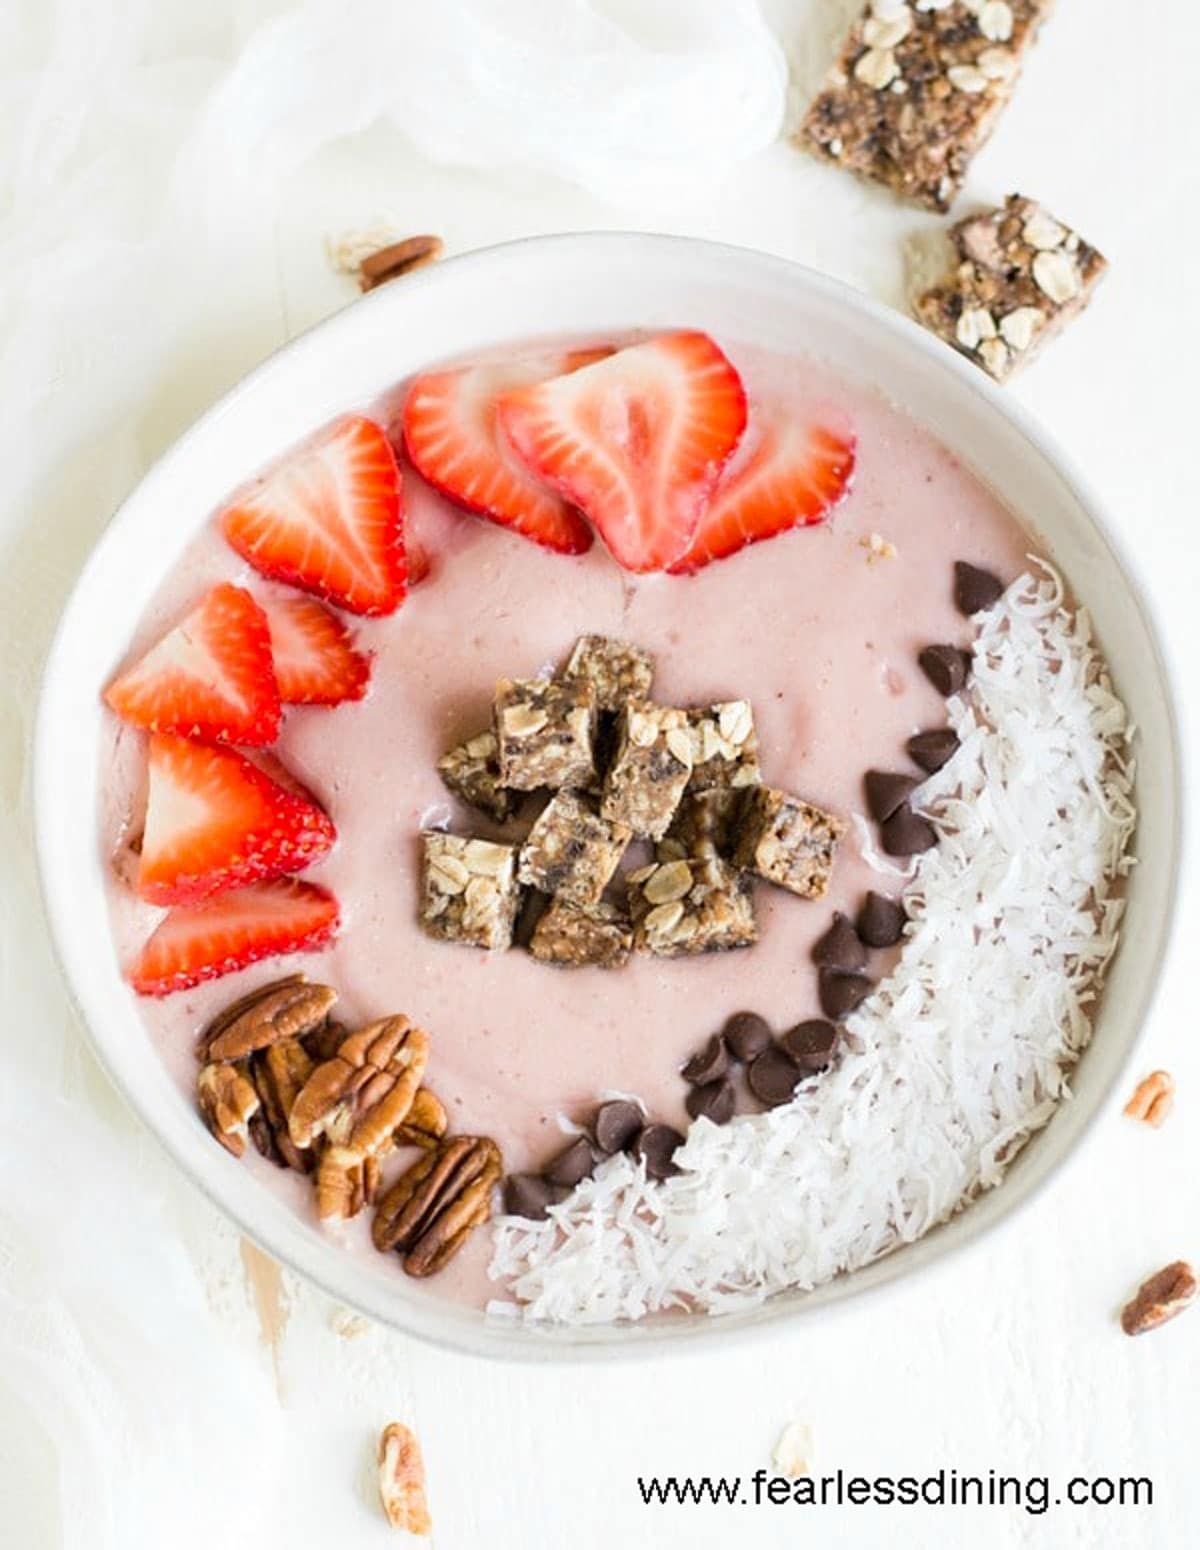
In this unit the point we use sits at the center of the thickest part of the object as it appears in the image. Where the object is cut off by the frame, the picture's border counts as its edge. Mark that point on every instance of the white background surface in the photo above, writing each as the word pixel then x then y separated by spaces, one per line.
pixel 1008 1359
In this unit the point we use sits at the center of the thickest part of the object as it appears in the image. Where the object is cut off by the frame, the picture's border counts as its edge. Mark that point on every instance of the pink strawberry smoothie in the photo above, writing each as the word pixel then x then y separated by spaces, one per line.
pixel 819 629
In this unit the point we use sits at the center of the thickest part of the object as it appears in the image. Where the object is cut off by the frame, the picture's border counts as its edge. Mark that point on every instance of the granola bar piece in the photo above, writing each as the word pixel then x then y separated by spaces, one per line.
pixel 469 890
pixel 724 745
pixel 706 824
pixel 788 841
pixel 1021 277
pixel 545 732
pixel 917 90
pixel 574 938
pixel 471 771
pixel 650 768
pixel 684 907
pixel 571 851
pixel 617 670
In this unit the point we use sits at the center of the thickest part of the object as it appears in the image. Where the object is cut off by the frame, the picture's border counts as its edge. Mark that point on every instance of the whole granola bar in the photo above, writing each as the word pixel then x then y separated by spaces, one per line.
pixel 917 90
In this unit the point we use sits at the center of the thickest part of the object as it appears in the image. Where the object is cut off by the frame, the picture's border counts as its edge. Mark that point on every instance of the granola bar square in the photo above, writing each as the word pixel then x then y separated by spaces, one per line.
pixel 724 745
pixel 572 852
pixel 788 841
pixel 650 768
pixel 917 89
pixel 545 732
pixel 472 772
pixel 573 938
pixel 683 907
pixel 617 670
pixel 705 824
pixel 1021 276
pixel 469 890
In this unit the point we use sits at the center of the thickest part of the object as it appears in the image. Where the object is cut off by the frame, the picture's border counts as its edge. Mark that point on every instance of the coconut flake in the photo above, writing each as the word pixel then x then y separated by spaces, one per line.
pixel 963 1052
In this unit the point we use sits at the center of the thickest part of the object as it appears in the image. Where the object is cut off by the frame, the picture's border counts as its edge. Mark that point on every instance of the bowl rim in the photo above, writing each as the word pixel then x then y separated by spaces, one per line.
pixel 495 1339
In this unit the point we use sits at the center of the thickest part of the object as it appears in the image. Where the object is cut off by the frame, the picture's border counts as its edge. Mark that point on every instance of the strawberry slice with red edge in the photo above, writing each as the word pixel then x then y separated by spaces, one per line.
pixel 215 821
pixel 637 441
pixel 199 942
pixel 329 519
pixel 211 676
pixel 314 655
pixel 786 475
pixel 453 440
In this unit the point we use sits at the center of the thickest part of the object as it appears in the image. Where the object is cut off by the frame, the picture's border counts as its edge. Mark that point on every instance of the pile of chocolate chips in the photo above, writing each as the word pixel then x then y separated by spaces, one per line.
pixel 901 831
pixel 618 1125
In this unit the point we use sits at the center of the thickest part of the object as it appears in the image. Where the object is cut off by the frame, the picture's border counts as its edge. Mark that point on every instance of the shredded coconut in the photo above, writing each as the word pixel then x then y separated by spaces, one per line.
pixel 954 1061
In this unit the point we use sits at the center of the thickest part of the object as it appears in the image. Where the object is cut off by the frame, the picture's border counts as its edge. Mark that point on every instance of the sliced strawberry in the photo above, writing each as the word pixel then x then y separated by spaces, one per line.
pixel 637 441
pixel 329 519
pixel 454 442
pixel 792 476
pixel 214 821
pixel 210 677
pixel 199 942
pixel 315 662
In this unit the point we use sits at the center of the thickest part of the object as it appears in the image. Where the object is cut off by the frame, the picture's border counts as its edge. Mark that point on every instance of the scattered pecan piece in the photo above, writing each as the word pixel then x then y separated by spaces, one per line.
pixel 280 1073
pixel 1167 1293
pixel 286 1009
pixel 1153 1099
pixel 357 1099
pixel 402 1480
pixel 345 1183
pixel 426 1124
pixel 398 258
pixel 228 1103
pixel 431 1210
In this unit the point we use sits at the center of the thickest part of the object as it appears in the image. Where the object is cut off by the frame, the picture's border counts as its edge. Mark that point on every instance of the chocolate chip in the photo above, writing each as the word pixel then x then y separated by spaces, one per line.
pixel 747 1035
pixel 946 668
pixel 656 1146
pixel 714 1101
pixel 840 994
pixel 709 1062
pixel 906 833
pixel 840 947
pixel 886 790
pixel 574 1163
pixel 525 1194
pixel 881 920
pixel 616 1125
pixel 932 749
pixel 811 1044
pixel 974 588
pixel 773 1076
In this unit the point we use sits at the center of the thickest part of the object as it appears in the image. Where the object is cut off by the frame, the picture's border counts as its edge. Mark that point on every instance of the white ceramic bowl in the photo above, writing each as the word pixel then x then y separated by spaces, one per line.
pixel 589 284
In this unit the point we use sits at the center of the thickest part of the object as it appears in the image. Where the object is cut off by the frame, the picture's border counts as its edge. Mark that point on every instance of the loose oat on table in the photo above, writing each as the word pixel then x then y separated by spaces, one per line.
pixel 724 745
pixel 617 670
pixel 696 906
pixel 469 890
pixel 572 851
pixel 402 1480
pixel 472 772
pixel 1021 276
pixel 788 841
pixel 572 938
pixel 650 769
pixel 917 89
pixel 545 732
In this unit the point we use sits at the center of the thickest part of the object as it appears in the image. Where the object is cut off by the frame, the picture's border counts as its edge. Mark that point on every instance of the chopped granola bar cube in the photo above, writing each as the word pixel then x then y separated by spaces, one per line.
pixel 1021 277
pixel 545 732
pixel 917 90
pixel 571 851
pixel 724 745
pixel 705 824
pixel 650 768
pixel 471 771
pixel 617 670
pixel 469 890
pixel 697 906
pixel 574 938
pixel 787 841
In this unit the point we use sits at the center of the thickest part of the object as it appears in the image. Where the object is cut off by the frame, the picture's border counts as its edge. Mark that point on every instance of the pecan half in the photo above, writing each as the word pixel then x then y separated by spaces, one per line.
pixel 402 1480
pixel 398 258
pixel 430 1211
pixel 1152 1099
pixel 228 1102
pixel 345 1183
pixel 1167 1293
pixel 426 1123
pixel 357 1099
pixel 286 1009
pixel 279 1074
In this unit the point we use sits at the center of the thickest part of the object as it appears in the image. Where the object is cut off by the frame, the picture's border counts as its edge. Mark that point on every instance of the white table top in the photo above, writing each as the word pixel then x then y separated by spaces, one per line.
pixel 1007 1358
